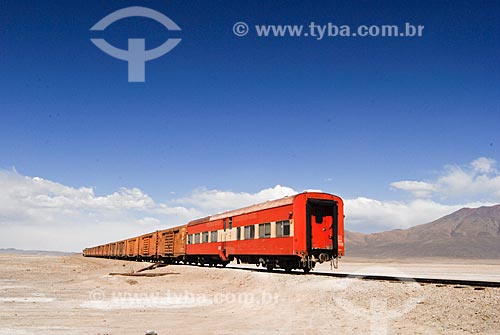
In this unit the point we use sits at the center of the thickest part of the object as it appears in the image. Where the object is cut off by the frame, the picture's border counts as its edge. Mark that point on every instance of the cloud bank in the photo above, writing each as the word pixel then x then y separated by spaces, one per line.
pixel 370 215
pixel 36 213
pixel 477 181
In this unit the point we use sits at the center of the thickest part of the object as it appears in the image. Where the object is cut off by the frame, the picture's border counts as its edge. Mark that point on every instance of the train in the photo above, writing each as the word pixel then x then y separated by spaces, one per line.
pixel 294 232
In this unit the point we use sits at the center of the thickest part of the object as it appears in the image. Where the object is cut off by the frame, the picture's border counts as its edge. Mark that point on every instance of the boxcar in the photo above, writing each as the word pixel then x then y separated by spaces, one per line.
pixel 171 246
pixel 120 253
pixel 112 250
pixel 132 246
pixel 147 246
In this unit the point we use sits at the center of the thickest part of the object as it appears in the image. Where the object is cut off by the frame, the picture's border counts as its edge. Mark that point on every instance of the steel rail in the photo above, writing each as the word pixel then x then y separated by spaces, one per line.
pixel 438 281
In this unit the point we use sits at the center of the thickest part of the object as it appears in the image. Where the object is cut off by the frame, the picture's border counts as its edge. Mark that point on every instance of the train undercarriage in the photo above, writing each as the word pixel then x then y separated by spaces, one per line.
pixel 270 262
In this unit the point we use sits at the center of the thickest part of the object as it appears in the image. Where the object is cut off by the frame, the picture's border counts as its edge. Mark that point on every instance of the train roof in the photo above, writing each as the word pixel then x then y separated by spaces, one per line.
pixel 257 207
pixel 253 208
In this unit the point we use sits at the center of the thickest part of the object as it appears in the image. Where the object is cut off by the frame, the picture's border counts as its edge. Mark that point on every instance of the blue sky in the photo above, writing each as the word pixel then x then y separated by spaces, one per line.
pixel 348 116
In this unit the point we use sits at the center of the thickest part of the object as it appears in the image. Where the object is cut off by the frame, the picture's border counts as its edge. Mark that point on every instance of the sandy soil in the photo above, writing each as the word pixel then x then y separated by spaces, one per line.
pixel 76 295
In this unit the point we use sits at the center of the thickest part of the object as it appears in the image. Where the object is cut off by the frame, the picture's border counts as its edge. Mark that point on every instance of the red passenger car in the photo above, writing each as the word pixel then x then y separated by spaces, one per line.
pixel 289 233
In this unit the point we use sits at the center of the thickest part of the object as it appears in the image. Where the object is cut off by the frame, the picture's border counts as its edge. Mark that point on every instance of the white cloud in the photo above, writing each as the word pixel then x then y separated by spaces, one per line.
pixel 370 215
pixel 213 201
pixel 417 188
pixel 149 221
pixel 477 181
pixel 36 213
pixel 41 193
pixel 39 213
pixel 484 165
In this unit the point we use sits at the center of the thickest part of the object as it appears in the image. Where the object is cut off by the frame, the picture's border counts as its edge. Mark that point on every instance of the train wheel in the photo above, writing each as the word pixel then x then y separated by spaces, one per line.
pixel 269 267
pixel 306 269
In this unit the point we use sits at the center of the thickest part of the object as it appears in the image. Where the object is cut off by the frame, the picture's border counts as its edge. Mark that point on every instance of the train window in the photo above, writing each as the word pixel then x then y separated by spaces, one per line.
pixel 213 236
pixel 283 228
pixel 265 230
pixel 249 232
pixel 286 228
pixel 205 237
pixel 230 223
pixel 196 238
pixel 224 224
pixel 238 233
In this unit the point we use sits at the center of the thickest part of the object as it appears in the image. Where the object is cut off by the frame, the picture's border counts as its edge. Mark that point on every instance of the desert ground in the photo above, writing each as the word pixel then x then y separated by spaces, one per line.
pixel 41 294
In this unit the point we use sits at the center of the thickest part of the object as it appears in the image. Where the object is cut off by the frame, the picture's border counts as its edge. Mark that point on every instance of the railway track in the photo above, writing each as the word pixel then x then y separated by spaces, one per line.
pixel 437 281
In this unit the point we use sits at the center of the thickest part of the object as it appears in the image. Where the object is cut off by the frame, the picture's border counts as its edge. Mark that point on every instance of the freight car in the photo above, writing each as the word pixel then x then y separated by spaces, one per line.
pixel 294 232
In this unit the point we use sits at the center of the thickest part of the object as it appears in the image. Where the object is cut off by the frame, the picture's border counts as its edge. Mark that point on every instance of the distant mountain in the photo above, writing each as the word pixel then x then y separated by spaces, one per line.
pixel 34 252
pixel 466 233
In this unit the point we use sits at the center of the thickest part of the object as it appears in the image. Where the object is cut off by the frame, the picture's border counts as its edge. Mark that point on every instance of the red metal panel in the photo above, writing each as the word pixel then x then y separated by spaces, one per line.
pixel 299 210
pixel 261 214
pixel 264 246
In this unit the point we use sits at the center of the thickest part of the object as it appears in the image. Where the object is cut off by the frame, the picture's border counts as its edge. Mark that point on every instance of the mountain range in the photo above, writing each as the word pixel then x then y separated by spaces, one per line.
pixel 467 233
pixel 34 252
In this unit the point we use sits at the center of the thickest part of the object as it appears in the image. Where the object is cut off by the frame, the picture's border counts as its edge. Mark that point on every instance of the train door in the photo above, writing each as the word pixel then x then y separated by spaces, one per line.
pixel 322 226
pixel 179 239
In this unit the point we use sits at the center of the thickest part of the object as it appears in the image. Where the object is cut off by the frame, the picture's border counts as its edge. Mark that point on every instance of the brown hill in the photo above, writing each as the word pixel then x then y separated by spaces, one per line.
pixel 466 233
